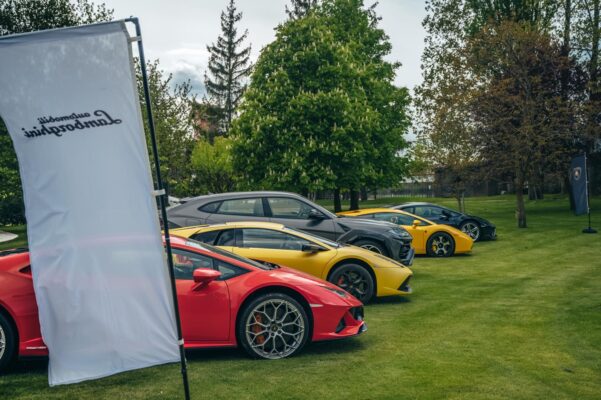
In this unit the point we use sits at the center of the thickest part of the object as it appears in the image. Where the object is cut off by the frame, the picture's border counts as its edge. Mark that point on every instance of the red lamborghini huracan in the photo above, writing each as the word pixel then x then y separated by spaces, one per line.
pixel 224 300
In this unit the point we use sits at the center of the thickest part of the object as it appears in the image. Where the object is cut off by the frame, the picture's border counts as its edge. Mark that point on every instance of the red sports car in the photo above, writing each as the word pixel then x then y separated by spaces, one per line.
pixel 224 300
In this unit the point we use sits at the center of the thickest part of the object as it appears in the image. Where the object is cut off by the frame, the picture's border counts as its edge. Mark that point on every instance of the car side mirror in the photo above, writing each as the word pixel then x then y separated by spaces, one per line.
pixel 311 248
pixel 315 214
pixel 204 276
pixel 416 222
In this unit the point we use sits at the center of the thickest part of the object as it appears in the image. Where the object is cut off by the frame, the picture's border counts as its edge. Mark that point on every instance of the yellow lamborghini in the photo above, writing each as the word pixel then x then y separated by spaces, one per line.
pixel 362 273
pixel 428 238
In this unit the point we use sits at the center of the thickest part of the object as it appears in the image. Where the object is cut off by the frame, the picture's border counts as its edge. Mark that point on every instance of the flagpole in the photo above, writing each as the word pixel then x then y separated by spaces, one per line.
pixel 588 198
pixel 162 197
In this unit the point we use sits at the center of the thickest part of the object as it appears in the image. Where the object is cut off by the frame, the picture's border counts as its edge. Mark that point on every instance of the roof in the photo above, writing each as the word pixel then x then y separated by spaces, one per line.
pixel 237 195
pixel 239 224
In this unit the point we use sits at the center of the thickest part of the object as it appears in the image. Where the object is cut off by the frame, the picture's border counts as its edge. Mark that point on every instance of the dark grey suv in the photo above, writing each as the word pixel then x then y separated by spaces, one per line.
pixel 296 212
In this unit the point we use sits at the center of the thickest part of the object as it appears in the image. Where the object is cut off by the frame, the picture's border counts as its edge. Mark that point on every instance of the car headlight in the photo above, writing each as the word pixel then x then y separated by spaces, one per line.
pixel 400 233
pixel 339 292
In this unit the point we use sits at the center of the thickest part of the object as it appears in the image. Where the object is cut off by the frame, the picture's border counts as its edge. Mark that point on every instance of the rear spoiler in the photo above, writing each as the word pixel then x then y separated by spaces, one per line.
pixel 18 250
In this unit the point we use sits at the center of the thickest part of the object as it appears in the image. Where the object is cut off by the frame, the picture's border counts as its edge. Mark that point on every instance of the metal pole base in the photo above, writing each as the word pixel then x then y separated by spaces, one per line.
pixel 589 230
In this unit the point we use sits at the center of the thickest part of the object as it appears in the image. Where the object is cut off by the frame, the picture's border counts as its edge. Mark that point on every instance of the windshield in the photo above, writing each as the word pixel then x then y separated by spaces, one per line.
pixel 315 237
pixel 208 247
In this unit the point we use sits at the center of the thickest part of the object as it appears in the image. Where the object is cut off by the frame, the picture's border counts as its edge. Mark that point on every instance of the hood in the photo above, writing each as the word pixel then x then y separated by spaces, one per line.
pixel 365 224
pixel 300 279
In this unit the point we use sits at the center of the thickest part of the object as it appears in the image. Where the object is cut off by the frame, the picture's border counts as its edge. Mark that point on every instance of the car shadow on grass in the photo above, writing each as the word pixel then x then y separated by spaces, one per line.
pixel 351 344
pixel 387 300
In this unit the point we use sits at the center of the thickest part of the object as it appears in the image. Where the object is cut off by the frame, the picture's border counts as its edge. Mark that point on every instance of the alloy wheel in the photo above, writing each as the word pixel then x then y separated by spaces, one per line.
pixel 275 328
pixel 2 342
pixel 354 283
pixel 471 229
pixel 441 245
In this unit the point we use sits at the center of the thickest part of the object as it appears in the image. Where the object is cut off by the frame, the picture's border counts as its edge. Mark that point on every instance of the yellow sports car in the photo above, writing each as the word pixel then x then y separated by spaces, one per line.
pixel 360 272
pixel 428 238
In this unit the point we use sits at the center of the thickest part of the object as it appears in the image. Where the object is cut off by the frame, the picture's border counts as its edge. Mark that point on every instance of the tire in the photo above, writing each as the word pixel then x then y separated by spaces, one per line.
pixel 472 229
pixel 8 343
pixel 440 244
pixel 356 280
pixel 273 326
pixel 371 246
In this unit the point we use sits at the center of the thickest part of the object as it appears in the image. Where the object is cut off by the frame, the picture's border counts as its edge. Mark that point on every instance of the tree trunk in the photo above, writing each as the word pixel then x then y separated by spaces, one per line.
pixel 364 194
pixel 520 211
pixel 460 197
pixel 337 203
pixel 354 200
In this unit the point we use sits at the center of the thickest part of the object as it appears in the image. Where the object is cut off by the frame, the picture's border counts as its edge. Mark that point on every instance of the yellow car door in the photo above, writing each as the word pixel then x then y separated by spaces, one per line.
pixel 418 232
pixel 282 248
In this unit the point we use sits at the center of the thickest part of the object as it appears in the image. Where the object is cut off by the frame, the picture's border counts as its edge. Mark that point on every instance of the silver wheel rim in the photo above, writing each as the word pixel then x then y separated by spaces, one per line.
pixel 472 230
pixel 441 245
pixel 371 247
pixel 2 343
pixel 275 329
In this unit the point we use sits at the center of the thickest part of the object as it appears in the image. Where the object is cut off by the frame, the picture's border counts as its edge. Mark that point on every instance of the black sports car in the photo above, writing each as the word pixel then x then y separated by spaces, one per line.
pixel 297 212
pixel 477 228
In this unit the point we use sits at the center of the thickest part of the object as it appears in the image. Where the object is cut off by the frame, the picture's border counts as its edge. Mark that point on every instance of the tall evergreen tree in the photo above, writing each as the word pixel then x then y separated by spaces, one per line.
pixel 229 65
pixel 300 8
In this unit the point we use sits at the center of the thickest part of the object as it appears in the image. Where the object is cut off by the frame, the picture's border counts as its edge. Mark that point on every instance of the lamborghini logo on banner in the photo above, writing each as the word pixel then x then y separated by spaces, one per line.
pixel 577 173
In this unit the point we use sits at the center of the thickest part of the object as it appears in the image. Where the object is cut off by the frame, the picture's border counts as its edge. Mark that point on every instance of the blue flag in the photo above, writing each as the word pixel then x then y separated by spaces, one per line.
pixel 578 181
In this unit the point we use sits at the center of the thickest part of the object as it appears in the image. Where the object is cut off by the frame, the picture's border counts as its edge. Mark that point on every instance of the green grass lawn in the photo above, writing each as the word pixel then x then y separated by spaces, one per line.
pixel 519 318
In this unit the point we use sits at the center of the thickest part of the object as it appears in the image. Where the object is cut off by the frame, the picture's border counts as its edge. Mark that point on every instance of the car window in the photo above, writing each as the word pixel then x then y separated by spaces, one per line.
pixel 228 270
pixel 185 262
pixel 226 238
pixel 270 239
pixel 395 218
pixel 251 207
pixel 428 211
pixel 217 250
pixel 282 207
pixel 206 237
pixel 210 208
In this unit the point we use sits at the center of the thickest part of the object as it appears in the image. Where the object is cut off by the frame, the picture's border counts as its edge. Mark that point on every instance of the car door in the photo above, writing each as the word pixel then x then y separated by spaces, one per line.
pixel 280 248
pixel 243 209
pixel 295 214
pixel 431 213
pixel 205 313
pixel 418 233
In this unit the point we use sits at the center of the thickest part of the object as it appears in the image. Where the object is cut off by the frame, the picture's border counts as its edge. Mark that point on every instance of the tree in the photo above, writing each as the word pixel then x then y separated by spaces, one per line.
pixel 443 125
pixel 172 110
pixel 229 65
pixel 19 16
pixel 212 166
pixel 523 121
pixel 300 8
pixel 321 111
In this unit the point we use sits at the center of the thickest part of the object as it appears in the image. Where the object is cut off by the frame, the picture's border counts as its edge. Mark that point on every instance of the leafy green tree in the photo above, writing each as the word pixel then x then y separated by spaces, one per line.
pixel 19 16
pixel 299 8
pixel 212 166
pixel 442 122
pixel 521 116
pixel 172 110
pixel 321 111
pixel 229 66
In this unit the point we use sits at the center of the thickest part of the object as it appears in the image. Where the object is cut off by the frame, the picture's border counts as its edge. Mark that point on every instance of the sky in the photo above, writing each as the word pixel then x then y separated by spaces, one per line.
pixel 178 31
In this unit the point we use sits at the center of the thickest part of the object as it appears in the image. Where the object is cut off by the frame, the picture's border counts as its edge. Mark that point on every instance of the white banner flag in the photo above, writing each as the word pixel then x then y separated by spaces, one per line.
pixel 69 100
